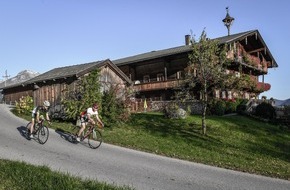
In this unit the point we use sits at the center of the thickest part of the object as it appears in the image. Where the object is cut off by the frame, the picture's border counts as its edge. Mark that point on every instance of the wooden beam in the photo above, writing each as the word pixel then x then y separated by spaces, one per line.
pixel 257 50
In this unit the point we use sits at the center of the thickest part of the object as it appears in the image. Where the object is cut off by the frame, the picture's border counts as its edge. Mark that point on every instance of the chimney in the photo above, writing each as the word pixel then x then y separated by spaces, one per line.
pixel 187 39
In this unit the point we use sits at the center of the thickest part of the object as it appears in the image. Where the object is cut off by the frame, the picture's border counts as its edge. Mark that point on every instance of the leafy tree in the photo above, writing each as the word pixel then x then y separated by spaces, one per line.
pixel 88 92
pixel 205 71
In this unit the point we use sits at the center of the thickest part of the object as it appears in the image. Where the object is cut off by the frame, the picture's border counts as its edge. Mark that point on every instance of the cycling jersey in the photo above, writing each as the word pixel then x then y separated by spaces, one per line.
pixel 37 110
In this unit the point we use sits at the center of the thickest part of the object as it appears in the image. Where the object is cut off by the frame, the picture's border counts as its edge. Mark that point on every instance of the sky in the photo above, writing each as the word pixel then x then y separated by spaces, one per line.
pixel 40 35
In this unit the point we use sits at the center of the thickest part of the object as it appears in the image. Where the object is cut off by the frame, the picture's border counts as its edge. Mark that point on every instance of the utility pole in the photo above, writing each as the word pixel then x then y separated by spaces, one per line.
pixel 6 76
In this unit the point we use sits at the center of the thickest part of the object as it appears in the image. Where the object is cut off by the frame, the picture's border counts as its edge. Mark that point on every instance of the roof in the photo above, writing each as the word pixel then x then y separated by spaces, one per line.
pixel 64 72
pixel 186 48
pixel 70 71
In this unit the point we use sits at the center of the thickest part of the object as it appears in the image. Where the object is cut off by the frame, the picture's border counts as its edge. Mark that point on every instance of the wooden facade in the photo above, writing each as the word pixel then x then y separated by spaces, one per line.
pixel 156 74
pixel 58 83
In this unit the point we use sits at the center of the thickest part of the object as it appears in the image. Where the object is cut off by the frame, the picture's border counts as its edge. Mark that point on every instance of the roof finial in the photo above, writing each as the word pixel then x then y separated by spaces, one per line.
pixel 228 20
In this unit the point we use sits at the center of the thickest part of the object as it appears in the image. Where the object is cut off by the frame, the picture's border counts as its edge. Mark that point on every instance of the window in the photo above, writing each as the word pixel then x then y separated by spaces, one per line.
pixel 217 94
pixel 230 95
pixel 146 78
pixel 160 77
pixel 224 95
pixel 179 75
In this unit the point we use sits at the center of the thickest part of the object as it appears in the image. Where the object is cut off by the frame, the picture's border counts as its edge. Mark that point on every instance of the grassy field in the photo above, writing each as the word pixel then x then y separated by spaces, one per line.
pixel 233 142
pixel 21 176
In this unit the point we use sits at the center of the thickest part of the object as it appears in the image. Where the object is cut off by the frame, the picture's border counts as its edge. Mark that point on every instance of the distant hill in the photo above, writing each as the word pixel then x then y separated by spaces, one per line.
pixel 19 78
pixel 282 102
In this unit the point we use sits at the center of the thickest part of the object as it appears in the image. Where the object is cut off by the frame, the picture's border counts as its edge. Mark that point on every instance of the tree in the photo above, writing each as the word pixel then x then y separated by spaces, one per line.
pixel 88 92
pixel 205 71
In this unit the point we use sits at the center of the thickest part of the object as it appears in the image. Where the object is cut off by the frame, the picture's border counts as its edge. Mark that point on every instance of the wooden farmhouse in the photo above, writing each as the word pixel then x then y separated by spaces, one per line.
pixel 156 74
pixel 57 83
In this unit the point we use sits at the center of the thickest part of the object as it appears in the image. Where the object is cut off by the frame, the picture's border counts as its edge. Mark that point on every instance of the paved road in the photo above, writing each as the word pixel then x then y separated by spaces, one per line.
pixel 121 166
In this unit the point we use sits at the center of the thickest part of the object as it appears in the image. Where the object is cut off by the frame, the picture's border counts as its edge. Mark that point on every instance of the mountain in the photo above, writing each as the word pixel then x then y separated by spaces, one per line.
pixel 19 78
pixel 282 102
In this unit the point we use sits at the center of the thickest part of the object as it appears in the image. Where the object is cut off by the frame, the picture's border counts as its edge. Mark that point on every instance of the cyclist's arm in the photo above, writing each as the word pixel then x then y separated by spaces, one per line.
pixel 99 120
pixel 47 117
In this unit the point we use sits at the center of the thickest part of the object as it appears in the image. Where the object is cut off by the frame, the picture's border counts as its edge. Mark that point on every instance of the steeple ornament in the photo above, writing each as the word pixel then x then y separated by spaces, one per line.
pixel 228 20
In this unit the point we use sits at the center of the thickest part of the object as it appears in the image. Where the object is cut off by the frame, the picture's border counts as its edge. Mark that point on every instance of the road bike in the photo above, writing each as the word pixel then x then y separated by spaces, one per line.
pixel 92 133
pixel 40 131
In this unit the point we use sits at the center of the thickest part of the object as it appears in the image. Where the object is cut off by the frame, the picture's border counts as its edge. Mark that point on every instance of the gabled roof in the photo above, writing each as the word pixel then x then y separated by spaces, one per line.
pixel 64 72
pixel 71 71
pixel 187 48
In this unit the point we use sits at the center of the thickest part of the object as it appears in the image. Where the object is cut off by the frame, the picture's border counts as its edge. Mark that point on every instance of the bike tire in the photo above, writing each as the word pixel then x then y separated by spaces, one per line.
pixel 95 139
pixel 27 130
pixel 42 134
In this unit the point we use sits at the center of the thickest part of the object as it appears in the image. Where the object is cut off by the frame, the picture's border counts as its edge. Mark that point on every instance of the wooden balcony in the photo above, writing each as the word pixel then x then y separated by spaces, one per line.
pixel 249 60
pixel 262 87
pixel 156 85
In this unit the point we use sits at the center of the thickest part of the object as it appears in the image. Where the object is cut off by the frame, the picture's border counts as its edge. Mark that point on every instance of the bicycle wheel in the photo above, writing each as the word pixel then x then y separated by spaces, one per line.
pixel 42 134
pixel 27 130
pixel 95 139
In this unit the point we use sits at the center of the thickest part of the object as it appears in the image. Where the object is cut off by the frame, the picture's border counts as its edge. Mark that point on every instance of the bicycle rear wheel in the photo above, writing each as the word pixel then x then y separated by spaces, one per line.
pixel 95 139
pixel 27 130
pixel 42 134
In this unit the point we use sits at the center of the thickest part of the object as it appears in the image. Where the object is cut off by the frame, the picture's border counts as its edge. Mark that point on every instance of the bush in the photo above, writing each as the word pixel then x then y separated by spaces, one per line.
pixel 216 107
pixel 241 108
pixel 230 107
pixel 25 105
pixel 173 111
pixel 265 110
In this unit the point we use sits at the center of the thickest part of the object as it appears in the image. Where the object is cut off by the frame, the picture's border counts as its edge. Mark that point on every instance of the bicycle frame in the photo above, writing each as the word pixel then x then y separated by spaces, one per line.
pixel 93 135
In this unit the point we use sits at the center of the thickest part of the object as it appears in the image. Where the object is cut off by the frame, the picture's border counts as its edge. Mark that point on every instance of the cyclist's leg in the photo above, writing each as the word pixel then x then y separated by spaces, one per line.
pixel 31 128
pixel 79 134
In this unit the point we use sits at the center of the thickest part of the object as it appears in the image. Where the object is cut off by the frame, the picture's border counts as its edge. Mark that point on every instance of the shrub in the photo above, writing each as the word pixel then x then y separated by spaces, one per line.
pixel 241 108
pixel 230 107
pixel 25 105
pixel 173 111
pixel 265 110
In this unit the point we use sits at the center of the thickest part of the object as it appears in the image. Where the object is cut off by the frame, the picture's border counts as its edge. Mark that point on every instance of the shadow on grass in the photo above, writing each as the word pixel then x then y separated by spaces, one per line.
pixel 158 124
pixel 264 138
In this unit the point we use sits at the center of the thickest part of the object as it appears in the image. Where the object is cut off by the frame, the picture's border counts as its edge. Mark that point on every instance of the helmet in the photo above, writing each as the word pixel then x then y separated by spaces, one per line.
pixel 46 103
pixel 95 105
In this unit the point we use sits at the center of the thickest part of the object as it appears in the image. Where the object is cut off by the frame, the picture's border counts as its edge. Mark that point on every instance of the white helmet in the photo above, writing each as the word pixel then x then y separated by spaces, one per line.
pixel 46 103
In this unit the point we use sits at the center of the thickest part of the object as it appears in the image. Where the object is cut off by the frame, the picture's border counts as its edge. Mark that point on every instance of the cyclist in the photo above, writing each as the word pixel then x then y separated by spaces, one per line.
pixel 88 117
pixel 36 115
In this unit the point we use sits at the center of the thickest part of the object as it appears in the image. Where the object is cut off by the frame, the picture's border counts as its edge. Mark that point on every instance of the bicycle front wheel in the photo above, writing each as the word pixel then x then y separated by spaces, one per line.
pixel 95 139
pixel 42 134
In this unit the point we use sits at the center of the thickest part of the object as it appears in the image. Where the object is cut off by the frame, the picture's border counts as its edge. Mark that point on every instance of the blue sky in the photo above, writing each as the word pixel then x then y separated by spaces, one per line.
pixel 40 35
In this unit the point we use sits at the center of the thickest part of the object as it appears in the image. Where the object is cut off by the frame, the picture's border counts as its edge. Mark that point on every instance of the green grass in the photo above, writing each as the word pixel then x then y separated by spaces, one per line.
pixel 233 142
pixel 21 176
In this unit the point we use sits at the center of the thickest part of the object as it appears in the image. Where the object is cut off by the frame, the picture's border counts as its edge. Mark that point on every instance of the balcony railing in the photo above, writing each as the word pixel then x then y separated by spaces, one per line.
pixel 263 86
pixel 156 85
pixel 250 60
